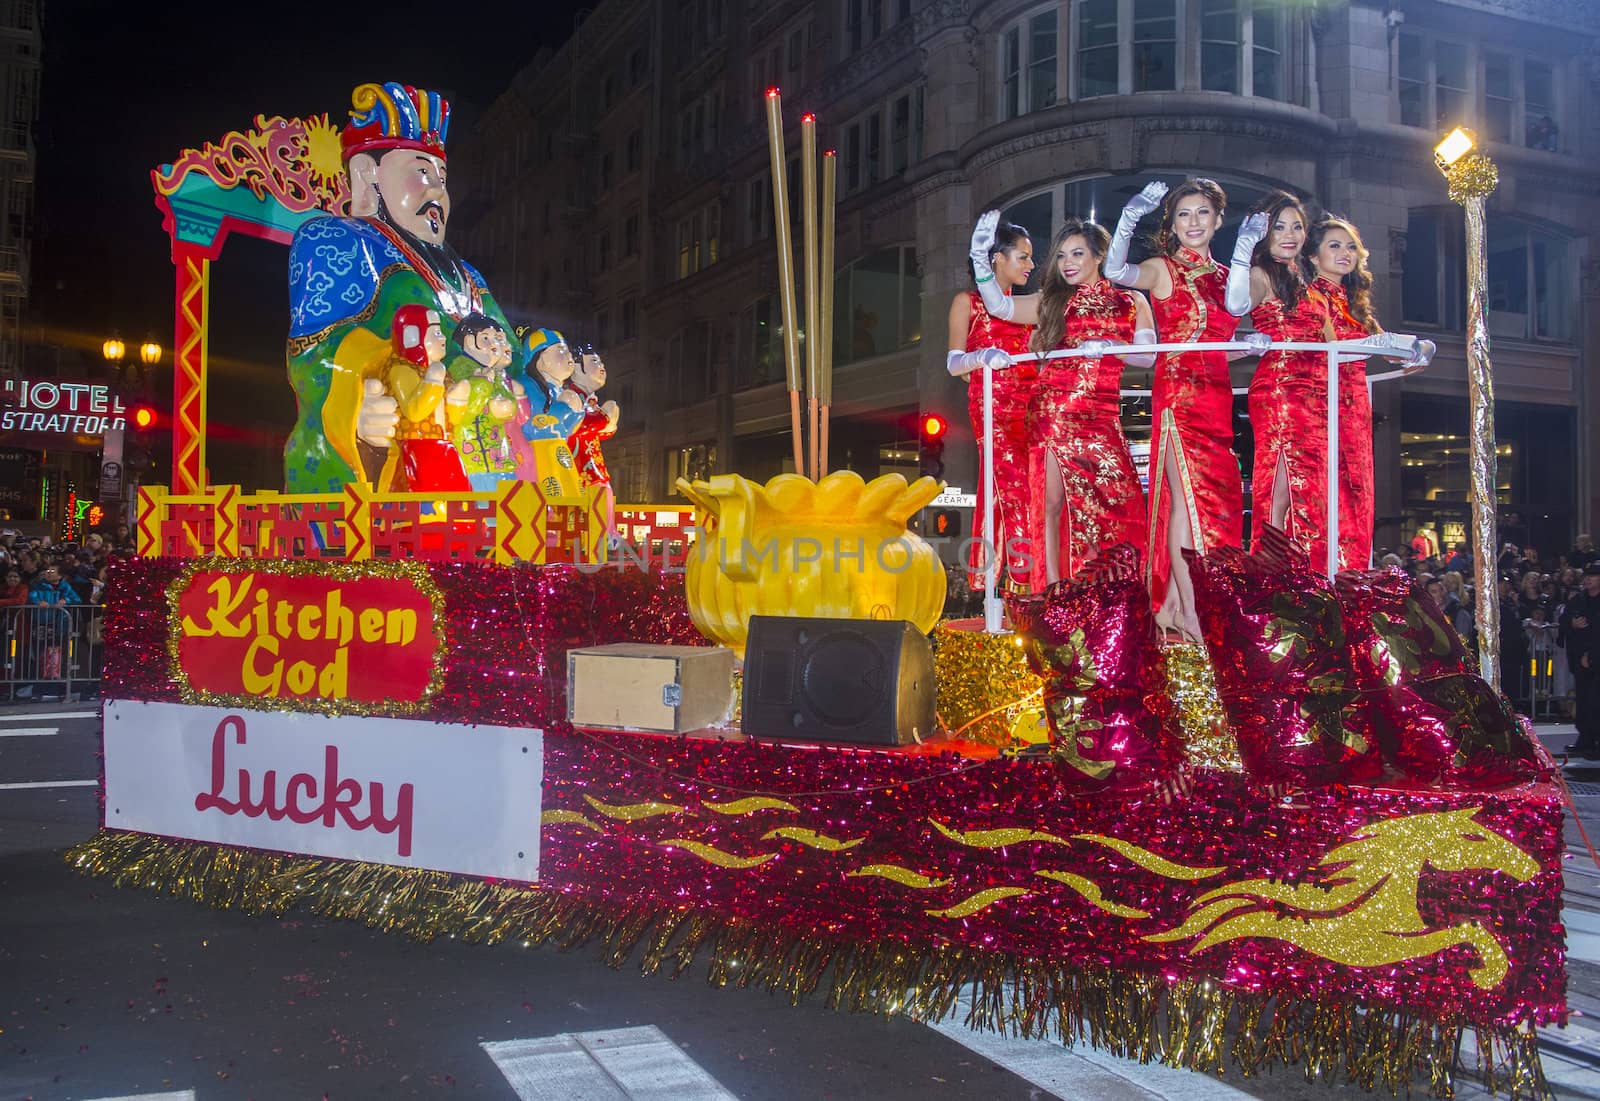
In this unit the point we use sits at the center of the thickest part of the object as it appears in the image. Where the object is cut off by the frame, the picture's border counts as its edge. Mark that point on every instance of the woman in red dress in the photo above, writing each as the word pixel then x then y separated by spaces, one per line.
pixel 1007 261
pixel 1288 394
pixel 1339 260
pixel 1196 500
pixel 1086 493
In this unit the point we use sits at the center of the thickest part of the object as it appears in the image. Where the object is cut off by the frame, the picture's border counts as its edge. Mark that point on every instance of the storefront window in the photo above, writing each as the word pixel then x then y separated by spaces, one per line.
pixel 1536 473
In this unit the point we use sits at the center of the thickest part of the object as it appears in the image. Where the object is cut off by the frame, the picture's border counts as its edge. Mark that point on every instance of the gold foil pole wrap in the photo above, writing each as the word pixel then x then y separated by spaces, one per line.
pixel 984 680
pixel 1208 740
pixel 1471 180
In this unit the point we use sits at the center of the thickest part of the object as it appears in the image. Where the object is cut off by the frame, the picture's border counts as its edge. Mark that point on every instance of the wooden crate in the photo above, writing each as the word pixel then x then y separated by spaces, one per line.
pixel 640 686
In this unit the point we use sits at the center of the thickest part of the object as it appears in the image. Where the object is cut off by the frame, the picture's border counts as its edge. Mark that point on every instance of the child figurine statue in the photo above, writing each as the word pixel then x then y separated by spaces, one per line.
pixel 599 423
pixel 416 379
pixel 483 426
pixel 554 414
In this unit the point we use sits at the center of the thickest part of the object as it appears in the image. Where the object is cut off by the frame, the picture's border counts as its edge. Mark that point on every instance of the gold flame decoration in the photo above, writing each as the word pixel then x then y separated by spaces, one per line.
pixel 631 812
pixel 995 839
pixel 980 901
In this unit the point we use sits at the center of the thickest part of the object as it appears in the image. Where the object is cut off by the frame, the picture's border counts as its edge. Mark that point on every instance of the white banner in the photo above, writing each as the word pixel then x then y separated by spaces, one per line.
pixel 390 791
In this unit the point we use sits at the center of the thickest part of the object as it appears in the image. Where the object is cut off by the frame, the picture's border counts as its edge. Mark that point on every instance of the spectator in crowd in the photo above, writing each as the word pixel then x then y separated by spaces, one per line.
pixel 1513 645
pixel 1455 606
pixel 1580 632
pixel 15 593
pixel 1459 561
pixel 1582 552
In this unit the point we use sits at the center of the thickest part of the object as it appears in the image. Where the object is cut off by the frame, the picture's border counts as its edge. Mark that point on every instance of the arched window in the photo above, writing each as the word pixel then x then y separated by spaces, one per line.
pixel 1124 46
pixel 1100 199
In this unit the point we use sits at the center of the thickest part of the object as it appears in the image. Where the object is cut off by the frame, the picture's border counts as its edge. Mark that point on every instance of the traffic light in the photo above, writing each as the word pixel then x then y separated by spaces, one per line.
pixel 138 450
pixel 946 523
pixel 931 429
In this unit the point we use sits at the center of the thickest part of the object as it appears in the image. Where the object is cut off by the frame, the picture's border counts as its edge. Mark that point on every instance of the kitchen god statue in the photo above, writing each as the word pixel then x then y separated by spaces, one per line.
pixel 349 276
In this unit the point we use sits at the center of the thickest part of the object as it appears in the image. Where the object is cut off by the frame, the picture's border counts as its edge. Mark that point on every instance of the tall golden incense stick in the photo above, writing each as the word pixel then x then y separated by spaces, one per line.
pixel 780 208
pixel 830 174
pixel 808 229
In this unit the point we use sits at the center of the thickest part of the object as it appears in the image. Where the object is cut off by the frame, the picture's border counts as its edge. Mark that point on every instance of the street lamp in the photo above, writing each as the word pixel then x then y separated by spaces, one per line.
pixel 1472 178
pixel 116 354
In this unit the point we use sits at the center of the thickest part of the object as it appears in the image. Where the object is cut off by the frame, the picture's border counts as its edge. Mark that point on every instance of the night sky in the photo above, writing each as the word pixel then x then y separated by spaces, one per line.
pixel 129 86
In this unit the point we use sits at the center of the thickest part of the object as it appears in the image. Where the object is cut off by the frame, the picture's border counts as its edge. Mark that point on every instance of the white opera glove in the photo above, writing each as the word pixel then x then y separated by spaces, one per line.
pixel 1250 234
pixel 1141 359
pixel 1117 269
pixel 964 363
pixel 1256 343
pixel 1093 349
pixel 995 300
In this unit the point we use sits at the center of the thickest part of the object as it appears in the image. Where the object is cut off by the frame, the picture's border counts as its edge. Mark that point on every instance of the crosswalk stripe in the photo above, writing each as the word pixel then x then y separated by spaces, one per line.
pixel 1079 1072
pixel 30 732
pixel 1583 935
pixel 50 784
pixel 623 1064
pixel 35 716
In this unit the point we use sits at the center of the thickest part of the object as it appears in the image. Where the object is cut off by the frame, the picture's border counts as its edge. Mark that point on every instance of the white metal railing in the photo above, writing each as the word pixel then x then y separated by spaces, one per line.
pixel 1338 351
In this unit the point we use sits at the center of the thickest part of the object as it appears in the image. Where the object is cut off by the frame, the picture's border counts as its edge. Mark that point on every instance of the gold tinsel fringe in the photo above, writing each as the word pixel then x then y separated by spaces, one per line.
pixel 1193 1024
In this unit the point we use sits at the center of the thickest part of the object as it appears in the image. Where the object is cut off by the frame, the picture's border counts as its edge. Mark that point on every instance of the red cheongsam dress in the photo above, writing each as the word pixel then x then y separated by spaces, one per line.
pixel 1289 414
pixel 1193 414
pixel 1012 389
pixel 1075 416
pixel 1356 505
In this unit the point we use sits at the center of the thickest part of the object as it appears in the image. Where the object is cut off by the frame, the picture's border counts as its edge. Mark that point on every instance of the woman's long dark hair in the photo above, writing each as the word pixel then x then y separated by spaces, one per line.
pixel 1358 282
pixel 1166 240
pixel 1055 293
pixel 1288 280
pixel 1007 236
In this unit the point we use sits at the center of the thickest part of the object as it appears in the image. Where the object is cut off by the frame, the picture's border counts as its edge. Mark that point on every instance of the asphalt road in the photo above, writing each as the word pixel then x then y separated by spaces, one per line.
pixel 116 994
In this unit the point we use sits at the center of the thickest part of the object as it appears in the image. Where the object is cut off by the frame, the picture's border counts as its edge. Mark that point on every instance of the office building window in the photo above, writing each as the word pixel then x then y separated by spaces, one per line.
pixel 877 305
pixel 1028 65
pixel 1515 101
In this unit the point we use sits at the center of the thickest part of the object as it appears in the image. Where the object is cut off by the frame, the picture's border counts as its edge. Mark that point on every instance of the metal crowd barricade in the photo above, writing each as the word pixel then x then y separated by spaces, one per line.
pixel 51 652
pixel 1338 351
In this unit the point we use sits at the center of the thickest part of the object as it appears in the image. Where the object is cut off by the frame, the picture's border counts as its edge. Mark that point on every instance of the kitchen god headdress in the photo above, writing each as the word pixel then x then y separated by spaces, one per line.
pixel 395 116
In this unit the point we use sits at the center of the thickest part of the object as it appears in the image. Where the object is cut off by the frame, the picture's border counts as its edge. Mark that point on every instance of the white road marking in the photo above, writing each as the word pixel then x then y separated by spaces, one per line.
pixel 1583 935
pixel 1080 1071
pixel 30 732
pixel 624 1064
pixel 176 1095
pixel 33 716
pixel 51 784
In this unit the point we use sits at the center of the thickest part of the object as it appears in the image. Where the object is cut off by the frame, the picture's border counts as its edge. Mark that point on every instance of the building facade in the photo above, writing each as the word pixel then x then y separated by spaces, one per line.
pixel 620 189
pixel 20 49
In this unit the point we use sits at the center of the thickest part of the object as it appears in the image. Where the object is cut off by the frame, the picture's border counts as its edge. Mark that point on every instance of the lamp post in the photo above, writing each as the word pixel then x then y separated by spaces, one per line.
pixel 115 490
pixel 116 354
pixel 1472 178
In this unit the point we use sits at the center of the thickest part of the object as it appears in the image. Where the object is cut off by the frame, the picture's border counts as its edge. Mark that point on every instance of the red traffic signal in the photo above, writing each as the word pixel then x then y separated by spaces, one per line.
pixel 934 426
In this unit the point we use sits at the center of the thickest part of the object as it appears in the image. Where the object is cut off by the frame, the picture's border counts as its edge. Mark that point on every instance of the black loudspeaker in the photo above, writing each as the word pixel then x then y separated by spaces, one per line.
pixel 837 680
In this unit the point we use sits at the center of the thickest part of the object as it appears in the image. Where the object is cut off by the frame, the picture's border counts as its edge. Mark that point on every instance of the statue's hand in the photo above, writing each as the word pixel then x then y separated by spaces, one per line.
pixel 613 413
pixel 378 416
pixel 502 409
pixel 435 375
pixel 572 400
pixel 518 390
pixel 458 393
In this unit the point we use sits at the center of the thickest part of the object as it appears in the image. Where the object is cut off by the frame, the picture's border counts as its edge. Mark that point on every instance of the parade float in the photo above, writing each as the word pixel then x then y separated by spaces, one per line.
pixel 1318 838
